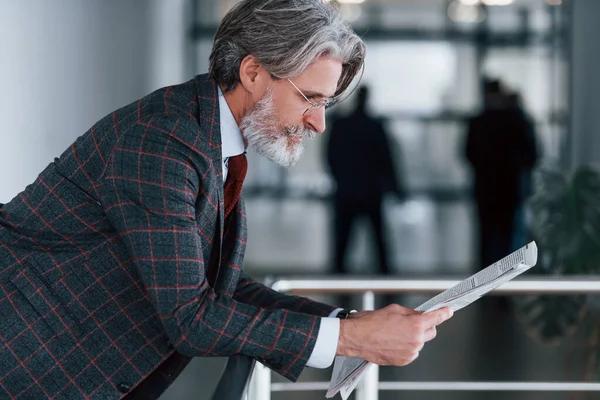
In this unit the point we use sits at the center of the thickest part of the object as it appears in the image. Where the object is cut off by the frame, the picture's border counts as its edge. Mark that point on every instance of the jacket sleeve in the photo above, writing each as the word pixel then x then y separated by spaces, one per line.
pixel 153 183
pixel 251 292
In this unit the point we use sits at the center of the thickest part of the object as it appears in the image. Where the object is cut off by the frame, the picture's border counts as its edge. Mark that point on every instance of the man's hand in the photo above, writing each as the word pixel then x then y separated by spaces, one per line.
pixel 393 335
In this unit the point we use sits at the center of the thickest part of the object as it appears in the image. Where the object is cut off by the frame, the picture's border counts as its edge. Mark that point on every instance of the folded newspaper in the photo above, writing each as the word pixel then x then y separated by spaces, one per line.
pixel 347 371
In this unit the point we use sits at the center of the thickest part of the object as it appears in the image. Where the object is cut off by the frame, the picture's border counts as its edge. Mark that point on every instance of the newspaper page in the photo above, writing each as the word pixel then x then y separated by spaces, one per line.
pixel 347 371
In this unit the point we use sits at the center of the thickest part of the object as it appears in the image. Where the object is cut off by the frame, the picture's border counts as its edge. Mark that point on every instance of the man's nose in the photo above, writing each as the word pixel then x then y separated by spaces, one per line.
pixel 315 120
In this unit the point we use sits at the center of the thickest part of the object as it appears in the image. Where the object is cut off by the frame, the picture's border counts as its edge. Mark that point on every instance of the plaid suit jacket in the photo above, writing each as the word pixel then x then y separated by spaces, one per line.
pixel 117 256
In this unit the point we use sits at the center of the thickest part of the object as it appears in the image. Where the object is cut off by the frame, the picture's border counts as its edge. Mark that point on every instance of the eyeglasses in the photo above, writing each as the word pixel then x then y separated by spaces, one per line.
pixel 326 102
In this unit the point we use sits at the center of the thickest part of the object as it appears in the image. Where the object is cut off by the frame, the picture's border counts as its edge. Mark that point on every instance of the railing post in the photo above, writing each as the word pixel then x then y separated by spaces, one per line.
pixel 368 389
pixel 260 385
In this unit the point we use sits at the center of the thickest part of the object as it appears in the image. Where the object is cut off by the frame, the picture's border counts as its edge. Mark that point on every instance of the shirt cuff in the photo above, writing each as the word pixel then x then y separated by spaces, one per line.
pixel 335 312
pixel 327 341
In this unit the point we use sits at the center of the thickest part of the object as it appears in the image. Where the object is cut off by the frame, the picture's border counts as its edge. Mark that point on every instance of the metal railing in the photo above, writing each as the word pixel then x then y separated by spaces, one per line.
pixel 261 387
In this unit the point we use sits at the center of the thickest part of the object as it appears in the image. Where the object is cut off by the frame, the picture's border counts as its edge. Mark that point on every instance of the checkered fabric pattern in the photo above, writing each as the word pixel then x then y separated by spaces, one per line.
pixel 118 257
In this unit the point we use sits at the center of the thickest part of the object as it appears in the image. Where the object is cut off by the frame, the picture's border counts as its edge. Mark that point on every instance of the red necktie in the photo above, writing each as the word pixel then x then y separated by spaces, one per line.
pixel 237 168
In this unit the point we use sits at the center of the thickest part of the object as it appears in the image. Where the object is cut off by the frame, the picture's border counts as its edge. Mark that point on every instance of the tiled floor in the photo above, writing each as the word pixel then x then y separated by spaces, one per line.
pixel 484 342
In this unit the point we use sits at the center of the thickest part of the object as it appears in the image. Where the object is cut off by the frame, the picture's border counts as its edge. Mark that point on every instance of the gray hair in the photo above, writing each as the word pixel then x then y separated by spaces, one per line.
pixel 286 37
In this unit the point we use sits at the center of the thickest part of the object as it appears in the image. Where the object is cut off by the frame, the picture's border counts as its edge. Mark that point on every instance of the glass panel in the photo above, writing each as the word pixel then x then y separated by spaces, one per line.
pixel 420 77
pixel 203 48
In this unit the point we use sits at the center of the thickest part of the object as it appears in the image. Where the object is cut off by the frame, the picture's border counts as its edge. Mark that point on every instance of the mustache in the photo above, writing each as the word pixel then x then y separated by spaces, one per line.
pixel 300 132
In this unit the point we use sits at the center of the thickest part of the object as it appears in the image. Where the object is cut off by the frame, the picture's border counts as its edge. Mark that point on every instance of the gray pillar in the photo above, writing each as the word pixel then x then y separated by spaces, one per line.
pixel 585 81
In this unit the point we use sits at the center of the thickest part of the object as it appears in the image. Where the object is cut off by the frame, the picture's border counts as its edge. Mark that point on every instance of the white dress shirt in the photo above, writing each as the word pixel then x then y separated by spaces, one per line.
pixel 232 144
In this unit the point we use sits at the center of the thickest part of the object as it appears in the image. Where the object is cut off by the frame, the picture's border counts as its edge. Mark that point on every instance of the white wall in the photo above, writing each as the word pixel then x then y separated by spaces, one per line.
pixel 64 64
pixel 169 20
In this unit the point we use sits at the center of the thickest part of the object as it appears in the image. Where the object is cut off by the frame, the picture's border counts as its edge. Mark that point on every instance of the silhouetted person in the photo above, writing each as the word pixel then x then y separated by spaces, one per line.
pixel 360 160
pixel 529 157
pixel 501 149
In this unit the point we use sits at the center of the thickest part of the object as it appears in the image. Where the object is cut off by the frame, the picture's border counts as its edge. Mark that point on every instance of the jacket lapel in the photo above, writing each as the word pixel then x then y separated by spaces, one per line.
pixel 209 120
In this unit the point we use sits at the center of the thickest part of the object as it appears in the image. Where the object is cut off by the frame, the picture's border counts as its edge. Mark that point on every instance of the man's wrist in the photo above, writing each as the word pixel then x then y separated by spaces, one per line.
pixel 345 342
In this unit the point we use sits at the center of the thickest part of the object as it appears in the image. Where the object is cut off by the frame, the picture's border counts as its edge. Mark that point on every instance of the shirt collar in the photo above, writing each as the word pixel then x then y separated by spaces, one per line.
pixel 232 141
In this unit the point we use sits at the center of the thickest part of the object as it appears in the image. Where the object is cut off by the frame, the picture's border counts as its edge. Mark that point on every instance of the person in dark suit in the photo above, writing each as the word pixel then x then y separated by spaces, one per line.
pixel 359 156
pixel 501 149
pixel 123 259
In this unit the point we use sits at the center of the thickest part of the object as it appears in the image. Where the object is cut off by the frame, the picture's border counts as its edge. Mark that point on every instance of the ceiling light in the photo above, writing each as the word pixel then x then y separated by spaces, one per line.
pixel 461 13
pixel 497 2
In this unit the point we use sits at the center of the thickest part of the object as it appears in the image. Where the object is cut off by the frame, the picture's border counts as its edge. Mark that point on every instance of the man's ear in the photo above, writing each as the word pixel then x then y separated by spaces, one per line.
pixel 253 77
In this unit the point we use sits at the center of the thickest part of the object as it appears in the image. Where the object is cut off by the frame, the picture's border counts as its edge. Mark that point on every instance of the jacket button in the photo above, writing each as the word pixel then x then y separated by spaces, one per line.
pixel 123 387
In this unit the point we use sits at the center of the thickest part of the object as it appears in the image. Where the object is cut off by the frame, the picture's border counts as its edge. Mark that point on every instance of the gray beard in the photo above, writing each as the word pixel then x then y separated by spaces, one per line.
pixel 267 138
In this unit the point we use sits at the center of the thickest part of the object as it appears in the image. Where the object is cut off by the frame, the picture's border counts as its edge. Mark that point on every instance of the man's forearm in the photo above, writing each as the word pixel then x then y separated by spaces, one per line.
pixel 251 292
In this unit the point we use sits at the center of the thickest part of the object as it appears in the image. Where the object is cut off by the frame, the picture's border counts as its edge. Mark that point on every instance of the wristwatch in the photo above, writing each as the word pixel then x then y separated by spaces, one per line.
pixel 345 314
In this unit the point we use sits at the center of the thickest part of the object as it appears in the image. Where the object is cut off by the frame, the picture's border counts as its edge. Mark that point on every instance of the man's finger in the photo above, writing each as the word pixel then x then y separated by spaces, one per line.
pixel 403 310
pixel 430 334
pixel 436 317
pixel 414 357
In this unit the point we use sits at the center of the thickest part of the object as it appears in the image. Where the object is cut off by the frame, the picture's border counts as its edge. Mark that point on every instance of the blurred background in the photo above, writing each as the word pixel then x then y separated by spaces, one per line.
pixel 438 72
